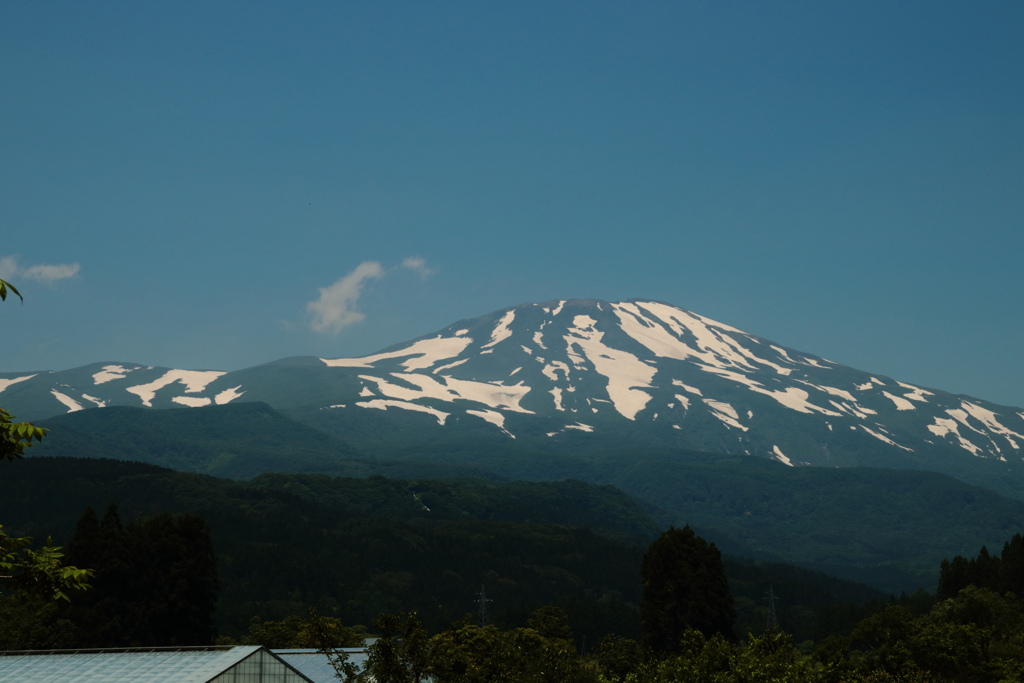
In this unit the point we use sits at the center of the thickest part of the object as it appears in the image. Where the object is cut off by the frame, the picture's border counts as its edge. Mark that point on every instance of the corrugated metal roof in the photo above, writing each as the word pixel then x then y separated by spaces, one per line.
pixel 156 665
pixel 316 666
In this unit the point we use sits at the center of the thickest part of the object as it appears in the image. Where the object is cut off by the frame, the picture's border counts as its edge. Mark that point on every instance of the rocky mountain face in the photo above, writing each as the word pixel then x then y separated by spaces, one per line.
pixel 587 374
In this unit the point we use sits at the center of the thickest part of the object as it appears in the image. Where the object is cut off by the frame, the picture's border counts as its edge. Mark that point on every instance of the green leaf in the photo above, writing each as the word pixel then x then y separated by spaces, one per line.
pixel 4 286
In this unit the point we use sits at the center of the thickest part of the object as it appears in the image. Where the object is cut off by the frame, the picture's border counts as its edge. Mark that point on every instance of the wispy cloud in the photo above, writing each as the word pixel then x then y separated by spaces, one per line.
pixel 9 269
pixel 337 306
pixel 419 265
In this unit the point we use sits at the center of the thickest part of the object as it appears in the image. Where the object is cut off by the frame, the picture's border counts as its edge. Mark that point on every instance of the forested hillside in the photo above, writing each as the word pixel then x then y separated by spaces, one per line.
pixel 889 528
pixel 359 547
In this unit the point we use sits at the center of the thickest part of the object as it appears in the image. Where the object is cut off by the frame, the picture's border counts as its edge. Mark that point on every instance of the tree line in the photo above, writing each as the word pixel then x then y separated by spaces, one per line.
pixel 156 583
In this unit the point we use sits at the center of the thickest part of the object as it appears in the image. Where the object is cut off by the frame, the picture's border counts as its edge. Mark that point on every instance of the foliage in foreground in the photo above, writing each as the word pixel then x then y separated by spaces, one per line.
pixel 976 637
pixel 35 571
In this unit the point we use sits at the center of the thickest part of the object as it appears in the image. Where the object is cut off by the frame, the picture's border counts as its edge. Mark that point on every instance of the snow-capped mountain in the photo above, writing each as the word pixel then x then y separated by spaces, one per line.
pixel 609 373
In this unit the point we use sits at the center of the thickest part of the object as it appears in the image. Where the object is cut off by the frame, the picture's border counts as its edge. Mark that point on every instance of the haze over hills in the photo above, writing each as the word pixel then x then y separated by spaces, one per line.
pixel 572 376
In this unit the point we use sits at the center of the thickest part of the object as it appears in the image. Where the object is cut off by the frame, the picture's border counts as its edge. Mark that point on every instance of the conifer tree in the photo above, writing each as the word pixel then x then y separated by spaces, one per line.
pixel 684 587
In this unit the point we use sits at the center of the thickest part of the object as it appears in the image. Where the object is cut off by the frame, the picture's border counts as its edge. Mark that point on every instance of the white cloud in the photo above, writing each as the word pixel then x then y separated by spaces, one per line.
pixel 336 307
pixel 51 273
pixel 9 269
pixel 418 265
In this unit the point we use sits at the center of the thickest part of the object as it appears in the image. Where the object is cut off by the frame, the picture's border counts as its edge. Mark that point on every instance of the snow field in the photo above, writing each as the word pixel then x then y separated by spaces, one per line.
pixel 4 383
pixel 111 372
pixel 494 418
pixel 502 331
pixel 194 380
pixel 421 354
pixel 624 371
pixel 383 404
pixel 71 403
pixel 780 456
pixel 724 412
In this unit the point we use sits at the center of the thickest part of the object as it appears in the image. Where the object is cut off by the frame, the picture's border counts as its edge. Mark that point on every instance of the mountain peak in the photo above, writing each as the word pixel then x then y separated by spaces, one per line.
pixel 574 370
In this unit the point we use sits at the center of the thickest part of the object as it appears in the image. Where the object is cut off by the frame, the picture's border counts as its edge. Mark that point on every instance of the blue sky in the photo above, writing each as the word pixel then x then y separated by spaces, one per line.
pixel 842 178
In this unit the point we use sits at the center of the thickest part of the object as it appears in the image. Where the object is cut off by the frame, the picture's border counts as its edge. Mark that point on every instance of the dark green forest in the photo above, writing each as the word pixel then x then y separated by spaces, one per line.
pixel 887 528
pixel 354 548
pixel 313 560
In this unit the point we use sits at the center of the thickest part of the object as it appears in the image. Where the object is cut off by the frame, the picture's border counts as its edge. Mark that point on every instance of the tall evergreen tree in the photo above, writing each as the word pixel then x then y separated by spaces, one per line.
pixel 1013 566
pixel 999 573
pixel 156 581
pixel 684 587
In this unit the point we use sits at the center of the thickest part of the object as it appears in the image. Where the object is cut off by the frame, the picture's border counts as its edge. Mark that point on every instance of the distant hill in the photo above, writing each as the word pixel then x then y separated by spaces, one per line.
pixel 237 441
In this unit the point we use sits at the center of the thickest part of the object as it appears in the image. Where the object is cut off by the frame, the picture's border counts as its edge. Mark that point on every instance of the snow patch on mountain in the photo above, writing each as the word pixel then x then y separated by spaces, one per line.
pixel 421 354
pixel 384 404
pixel 192 401
pixel 228 395
pixel 625 372
pixel 841 393
pixel 853 409
pixel 4 383
pixel 795 399
pixel 988 418
pixel 426 386
pixel 552 369
pixel 692 390
pixel 110 373
pixel 502 331
pixel 194 380
pixel 100 403
pixel 780 456
pixel 725 412
pixel 71 403
pixel 901 403
pixel 450 365
pixel 916 393
pixel 556 392
pixel 886 439
pixel 947 427
pixel 493 417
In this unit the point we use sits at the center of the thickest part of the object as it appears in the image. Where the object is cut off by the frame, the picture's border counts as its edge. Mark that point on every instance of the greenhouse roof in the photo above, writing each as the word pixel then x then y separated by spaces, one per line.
pixel 316 666
pixel 247 663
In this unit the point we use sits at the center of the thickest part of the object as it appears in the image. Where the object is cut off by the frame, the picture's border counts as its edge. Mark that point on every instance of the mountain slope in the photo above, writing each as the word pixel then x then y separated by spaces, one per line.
pixel 569 376
pixel 237 441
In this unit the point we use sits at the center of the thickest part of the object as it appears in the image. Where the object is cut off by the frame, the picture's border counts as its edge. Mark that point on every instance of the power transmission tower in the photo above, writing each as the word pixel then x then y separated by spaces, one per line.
pixel 483 600
pixel 773 622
